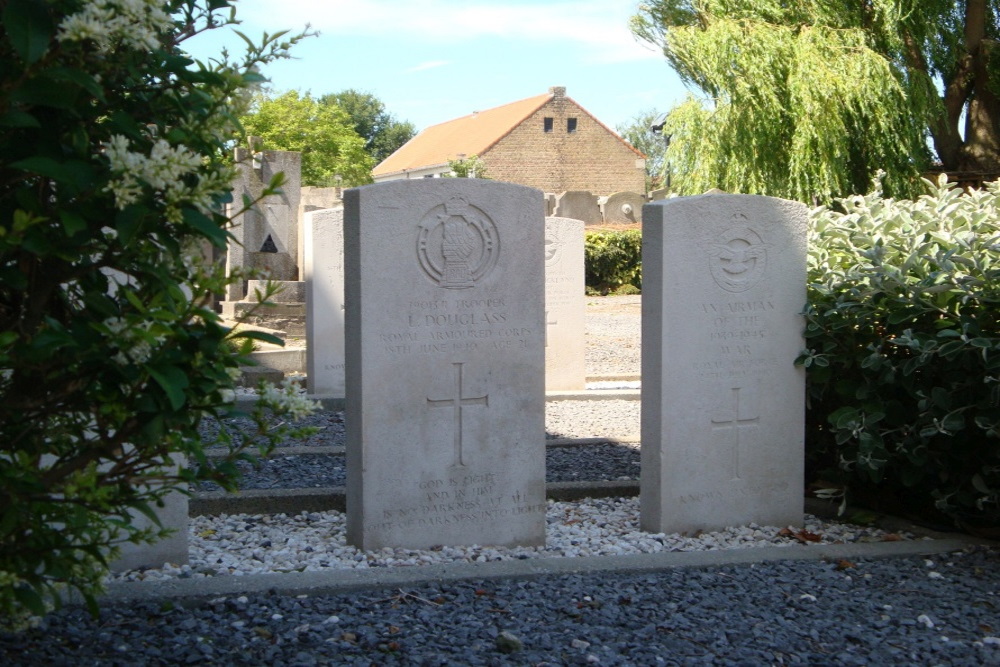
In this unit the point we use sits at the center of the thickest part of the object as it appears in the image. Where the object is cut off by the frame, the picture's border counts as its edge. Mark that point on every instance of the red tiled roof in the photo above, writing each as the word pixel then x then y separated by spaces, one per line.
pixel 468 135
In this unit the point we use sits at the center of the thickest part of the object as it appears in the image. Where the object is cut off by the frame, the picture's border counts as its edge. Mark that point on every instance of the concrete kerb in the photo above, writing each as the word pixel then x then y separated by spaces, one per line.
pixel 353 580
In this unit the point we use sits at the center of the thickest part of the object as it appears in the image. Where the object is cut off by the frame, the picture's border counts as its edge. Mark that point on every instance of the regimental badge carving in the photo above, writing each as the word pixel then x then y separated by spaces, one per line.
pixel 457 244
pixel 554 243
pixel 738 262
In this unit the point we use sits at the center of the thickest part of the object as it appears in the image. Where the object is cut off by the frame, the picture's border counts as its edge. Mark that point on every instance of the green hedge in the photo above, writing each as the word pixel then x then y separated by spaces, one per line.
pixel 613 260
pixel 903 360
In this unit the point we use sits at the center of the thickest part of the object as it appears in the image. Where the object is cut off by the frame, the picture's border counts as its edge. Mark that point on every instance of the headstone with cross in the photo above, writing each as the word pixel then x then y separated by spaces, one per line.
pixel 565 307
pixel 445 335
pixel 723 403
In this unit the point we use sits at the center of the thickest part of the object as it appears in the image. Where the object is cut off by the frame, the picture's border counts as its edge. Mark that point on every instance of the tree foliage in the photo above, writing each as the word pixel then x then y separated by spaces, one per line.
pixel 468 167
pixel 810 99
pixel 111 179
pixel 323 133
pixel 383 134
pixel 638 132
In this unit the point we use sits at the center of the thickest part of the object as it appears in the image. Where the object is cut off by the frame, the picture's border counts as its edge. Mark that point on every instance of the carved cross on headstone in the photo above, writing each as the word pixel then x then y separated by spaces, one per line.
pixel 548 322
pixel 735 423
pixel 457 402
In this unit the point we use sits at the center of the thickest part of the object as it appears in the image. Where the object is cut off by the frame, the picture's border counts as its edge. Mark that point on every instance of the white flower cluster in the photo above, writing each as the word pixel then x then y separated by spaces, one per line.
pixel 133 341
pixel 288 398
pixel 163 170
pixel 135 23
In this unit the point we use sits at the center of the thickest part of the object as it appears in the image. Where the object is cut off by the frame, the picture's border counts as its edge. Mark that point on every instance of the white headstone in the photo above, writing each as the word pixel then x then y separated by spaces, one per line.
pixel 565 305
pixel 724 280
pixel 173 549
pixel 323 233
pixel 445 364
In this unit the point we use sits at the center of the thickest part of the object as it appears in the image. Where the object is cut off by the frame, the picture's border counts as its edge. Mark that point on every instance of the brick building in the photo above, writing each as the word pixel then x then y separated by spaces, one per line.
pixel 547 142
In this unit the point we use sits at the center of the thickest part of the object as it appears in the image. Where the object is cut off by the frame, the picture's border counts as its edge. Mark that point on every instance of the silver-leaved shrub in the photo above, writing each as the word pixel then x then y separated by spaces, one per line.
pixel 112 176
pixel 903 365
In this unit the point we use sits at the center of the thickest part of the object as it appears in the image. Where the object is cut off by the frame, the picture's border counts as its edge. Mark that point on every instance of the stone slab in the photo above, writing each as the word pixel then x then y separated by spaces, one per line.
pixel 323 232
pixel 445 364
pixel 579 205
pixel 565 305
pixel 723 404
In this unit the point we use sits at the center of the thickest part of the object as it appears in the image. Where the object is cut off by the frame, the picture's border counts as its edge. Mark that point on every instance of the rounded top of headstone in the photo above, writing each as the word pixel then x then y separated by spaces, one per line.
pixel 622 207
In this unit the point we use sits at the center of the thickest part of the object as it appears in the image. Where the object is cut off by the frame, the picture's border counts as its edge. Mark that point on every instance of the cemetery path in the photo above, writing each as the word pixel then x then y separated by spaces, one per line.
pixel 613 330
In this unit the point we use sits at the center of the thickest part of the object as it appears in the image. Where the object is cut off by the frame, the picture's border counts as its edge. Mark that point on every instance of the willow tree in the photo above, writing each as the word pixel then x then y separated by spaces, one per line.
pixel 811 99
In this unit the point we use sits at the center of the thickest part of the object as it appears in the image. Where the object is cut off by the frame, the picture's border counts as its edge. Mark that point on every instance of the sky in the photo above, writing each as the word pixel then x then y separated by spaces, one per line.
pixel 431 61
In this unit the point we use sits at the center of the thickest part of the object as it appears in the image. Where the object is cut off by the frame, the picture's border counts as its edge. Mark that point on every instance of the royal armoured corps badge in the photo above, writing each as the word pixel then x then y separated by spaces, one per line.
pixel 457 244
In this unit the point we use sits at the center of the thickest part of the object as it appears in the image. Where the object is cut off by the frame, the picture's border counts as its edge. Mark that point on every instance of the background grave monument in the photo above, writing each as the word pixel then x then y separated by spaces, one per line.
pixel 565 305
pixel 266 238
pixel 445 364
pixel 579 205
pixel 324 276
pixel 724 279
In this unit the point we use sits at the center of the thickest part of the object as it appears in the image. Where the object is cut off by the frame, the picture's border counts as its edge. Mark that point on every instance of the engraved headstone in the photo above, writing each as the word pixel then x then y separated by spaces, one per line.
pixel 723 404
pixel 445 364
pixel 565 305
pixel 323 233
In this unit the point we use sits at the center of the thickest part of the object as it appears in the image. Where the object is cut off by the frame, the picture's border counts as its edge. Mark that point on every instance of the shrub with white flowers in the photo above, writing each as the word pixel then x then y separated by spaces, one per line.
pixel 112 178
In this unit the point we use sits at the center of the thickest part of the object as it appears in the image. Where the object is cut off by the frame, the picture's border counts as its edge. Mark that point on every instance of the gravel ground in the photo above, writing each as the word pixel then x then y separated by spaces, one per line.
pixel 611 418
pixel 891 611
pixel 906 611
pixel 607 461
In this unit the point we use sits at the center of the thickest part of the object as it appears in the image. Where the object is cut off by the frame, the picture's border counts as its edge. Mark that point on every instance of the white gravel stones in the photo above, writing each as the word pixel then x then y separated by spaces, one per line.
pixel 243 544
pixel 610 418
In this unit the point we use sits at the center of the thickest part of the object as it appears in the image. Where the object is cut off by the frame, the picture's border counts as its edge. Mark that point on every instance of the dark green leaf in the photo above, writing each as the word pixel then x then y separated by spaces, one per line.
pixel 39 92
pixel 29 28
pixel 173 381
pixel 76 77
pixel 206 226
pixel 72 222
pixel 31 600
pixel 128 222
pixel 259 335
pixel 15 118
pixel 43 166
